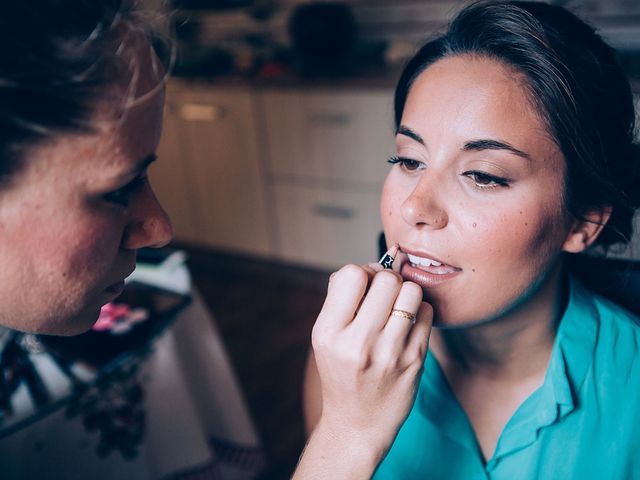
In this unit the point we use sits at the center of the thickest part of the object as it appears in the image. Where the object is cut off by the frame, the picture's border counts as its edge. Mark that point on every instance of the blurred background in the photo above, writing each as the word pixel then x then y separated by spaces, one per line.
pixel 278 125
pixel 279 119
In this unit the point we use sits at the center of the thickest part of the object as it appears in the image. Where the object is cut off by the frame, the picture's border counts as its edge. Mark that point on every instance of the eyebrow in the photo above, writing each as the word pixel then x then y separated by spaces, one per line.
pixel 406 131
pixel 474 145
pixel 487 144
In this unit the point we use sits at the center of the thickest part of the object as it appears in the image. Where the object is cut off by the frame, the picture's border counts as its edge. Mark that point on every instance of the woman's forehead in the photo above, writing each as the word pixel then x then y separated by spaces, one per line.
pixel 470 87
pixel 465 99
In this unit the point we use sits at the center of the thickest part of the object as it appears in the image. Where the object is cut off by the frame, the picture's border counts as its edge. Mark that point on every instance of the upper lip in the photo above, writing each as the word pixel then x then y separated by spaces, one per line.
pixel 426 255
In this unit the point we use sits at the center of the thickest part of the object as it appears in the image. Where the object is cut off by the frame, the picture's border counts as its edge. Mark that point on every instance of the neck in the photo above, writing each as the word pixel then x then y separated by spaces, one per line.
pixel 515 346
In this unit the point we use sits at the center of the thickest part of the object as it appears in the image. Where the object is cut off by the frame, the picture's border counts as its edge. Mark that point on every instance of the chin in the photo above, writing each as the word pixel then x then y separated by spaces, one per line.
pixel 70 325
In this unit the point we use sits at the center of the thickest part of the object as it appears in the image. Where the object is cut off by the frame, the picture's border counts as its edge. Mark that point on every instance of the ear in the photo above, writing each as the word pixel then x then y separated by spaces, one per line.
pixel 585 230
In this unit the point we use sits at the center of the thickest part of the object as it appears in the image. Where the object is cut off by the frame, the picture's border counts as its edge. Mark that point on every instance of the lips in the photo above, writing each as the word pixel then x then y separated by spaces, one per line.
pixel 427 270
pixel 117 287
pixel 427 260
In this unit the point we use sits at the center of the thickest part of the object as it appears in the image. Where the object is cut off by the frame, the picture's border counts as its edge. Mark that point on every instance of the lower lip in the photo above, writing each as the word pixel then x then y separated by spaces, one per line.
pixel 115 289
pixel 424 278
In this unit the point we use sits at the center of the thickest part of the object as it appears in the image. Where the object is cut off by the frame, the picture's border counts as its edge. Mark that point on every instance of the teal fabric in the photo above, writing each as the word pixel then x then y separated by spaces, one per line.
pixel 582 423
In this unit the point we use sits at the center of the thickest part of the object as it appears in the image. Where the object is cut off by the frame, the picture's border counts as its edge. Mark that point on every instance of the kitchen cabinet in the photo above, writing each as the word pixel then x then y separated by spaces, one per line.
pixel 326 228
pixel 326 159
pixel 171 180
pixel 330 137
pixel 291 174
pixel 209 177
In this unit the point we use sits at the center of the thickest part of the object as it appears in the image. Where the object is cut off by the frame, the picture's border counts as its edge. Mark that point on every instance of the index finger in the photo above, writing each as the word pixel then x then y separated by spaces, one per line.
pixel 346 289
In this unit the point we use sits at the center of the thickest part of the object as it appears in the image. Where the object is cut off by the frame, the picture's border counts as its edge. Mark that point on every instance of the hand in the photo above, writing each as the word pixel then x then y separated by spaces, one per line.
pixel 368 360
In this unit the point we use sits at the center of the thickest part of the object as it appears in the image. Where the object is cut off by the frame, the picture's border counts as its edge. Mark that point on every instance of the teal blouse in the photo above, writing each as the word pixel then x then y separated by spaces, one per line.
pixel 583 423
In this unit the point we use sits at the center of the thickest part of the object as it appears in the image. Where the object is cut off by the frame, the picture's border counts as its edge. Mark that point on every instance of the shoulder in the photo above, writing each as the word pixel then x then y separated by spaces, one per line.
pixel 616 320
pixel 617 343
pixel 611 316
pixel 610 329
pixel 613 371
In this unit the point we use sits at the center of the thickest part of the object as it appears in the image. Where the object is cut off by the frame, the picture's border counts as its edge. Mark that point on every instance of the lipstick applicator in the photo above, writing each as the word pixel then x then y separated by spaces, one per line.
pixel 387 259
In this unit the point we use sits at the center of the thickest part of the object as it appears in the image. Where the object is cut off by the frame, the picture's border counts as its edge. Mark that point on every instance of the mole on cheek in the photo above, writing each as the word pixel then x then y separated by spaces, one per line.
pixel 473 269
pixel 475 224
pixel 390 212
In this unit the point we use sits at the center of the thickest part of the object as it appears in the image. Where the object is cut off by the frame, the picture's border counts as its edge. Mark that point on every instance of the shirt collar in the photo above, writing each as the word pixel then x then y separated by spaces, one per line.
pixel 574 347
pixel 570 361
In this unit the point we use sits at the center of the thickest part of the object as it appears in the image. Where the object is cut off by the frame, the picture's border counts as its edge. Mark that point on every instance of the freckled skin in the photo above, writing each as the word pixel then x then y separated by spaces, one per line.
pixel 454 101
pixel 61 243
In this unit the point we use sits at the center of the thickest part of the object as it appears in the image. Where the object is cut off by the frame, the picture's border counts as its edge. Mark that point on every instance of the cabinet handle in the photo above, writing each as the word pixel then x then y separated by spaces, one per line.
pixel 329 118
pixel 196 112
pixel 333 211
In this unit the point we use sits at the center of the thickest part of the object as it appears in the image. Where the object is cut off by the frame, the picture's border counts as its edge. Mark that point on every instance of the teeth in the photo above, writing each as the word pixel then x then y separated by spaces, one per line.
pixel 425 262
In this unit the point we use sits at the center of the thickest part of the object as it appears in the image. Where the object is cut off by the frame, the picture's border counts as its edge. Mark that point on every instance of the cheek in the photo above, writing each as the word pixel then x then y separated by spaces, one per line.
pixel 390 202
pixel 84 250
pixel 525 235
pixel 95 248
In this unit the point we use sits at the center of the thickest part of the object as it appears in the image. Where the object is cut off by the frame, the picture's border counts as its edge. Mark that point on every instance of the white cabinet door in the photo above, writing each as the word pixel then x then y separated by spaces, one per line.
pixel 222 204
pixel 326 228
pixel 170 179
pixel 337 137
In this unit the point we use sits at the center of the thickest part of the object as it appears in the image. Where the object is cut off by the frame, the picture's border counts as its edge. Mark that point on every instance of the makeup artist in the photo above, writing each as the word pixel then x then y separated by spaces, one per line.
pixel 81 99
pixel 515 150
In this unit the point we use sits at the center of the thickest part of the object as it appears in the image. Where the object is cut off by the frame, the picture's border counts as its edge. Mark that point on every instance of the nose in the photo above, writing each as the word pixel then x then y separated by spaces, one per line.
pixel 423 208
pixel 149 225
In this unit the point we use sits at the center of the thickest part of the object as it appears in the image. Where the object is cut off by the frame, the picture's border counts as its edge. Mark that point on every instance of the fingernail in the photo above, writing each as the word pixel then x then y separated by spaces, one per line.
pixel 387 259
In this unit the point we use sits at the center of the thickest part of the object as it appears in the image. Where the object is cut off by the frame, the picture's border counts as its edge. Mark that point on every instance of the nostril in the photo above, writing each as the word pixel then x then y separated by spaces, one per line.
pixel 424 214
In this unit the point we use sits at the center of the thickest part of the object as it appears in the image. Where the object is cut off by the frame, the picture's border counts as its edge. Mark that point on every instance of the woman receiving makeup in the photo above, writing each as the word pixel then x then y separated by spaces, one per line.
pixel 515 150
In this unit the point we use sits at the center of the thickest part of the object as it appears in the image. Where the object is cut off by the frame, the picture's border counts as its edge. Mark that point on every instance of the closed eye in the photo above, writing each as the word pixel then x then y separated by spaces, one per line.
pixel 122 196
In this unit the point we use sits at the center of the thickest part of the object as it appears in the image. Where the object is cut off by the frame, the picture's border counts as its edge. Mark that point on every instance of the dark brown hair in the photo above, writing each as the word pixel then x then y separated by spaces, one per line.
pixel 57 61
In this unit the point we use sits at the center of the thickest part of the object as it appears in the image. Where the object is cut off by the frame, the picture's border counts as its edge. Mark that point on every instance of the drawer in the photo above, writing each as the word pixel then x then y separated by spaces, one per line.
pixel 326 228
pixel 332 137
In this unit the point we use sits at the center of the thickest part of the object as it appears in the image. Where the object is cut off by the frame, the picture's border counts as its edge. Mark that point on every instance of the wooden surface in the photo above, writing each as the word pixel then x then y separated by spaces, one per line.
pixel 265 312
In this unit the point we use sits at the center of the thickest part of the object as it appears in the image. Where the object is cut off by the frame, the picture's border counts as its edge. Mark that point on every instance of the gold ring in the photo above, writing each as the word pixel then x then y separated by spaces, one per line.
pixel 404 314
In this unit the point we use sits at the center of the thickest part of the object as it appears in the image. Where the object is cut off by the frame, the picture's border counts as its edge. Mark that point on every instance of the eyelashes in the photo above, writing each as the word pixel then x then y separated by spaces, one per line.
pixel 481 180
pixel 123 195
pixel 406 163
pixel 485 181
